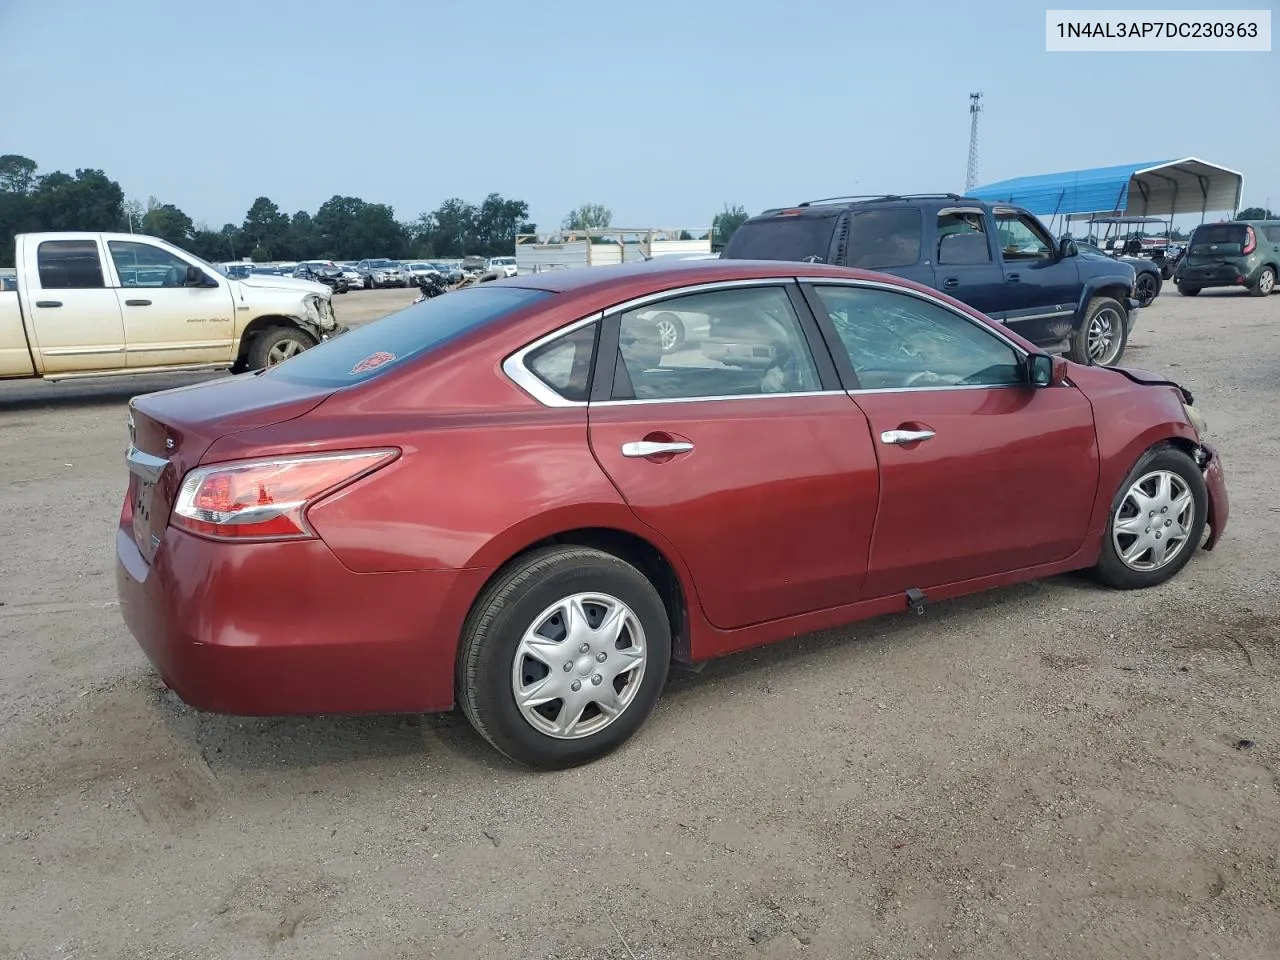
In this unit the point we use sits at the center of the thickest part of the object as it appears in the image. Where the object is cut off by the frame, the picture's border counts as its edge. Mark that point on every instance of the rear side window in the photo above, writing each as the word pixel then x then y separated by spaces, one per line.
pixel 888 237
pixel 1272 233
pixel 805 239
pixel 69 265
pixel 371 350
pixel 564 364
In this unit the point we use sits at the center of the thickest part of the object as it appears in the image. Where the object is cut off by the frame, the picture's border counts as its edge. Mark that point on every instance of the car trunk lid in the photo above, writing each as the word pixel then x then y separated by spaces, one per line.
pixel 171 430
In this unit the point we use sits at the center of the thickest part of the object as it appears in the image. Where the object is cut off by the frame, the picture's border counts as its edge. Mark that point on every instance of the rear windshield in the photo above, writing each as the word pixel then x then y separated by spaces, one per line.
pixel 1217 235
pixel 782 238
pixel 371 350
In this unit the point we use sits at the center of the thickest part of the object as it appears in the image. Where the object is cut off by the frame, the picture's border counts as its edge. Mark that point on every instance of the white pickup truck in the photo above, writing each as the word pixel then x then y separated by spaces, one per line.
pixel 109 304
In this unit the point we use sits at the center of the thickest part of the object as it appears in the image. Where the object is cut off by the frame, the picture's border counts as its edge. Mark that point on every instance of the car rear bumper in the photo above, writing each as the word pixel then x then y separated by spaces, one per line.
pixel 284 628
pixel 1217 275
pixel 1219 505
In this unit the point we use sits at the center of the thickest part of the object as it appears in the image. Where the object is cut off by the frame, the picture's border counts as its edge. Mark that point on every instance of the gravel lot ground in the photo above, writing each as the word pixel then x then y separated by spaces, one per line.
pixel 1052 770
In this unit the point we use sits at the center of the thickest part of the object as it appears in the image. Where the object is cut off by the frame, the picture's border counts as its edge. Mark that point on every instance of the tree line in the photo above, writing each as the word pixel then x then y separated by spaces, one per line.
pixel 343 228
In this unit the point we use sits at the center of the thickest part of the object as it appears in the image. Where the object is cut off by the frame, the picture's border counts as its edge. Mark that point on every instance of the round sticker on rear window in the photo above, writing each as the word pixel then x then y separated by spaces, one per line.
pixel 372 362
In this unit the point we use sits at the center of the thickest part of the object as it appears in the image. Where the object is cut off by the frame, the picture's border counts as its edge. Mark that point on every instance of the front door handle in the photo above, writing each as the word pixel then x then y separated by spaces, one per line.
pixel 48 303
pixel 137 303
pixel 1013 278
pixel 906 436
pixel 651 448
pixel 950 283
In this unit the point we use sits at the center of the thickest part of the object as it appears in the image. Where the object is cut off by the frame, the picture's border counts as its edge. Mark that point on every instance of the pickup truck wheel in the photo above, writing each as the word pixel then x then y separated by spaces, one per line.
pixel 277 345
pixel 563 656
pixel 1156 523
pixel 1265 283
pixel 1187 291
pixel 1102 336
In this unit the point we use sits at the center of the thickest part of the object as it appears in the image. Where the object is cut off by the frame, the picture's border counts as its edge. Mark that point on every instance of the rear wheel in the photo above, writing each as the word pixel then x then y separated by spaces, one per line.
pixel 1157 521
pixel 1188 291
pixel 670 331
pixel 1265 283
pixel 1102 336
pixel 563 656
pixel 277 345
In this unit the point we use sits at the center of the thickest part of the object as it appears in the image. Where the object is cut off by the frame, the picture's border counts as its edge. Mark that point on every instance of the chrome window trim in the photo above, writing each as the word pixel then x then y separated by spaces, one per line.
pixel 528 381
pixel 718 399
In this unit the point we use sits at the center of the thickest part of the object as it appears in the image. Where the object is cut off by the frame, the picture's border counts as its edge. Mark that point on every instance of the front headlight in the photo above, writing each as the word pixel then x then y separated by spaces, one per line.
pixel 1197 420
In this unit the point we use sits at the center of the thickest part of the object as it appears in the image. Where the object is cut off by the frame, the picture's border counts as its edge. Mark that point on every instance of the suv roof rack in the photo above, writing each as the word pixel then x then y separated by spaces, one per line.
pixel 887 196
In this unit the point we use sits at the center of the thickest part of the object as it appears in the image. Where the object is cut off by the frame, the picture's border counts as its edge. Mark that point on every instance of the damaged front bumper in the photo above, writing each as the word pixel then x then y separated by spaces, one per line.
pixel 1215 482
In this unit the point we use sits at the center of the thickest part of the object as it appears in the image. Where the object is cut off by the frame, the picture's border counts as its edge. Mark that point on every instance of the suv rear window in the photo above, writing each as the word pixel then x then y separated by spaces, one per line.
pixel 371 350
pixel 803 238
pixel 1219 235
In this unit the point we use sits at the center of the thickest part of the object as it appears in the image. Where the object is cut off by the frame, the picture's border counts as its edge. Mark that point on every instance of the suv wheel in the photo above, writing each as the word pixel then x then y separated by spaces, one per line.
pixel 1146 289
pixel 1265 283
pixel 1187 290
pixel 1102 337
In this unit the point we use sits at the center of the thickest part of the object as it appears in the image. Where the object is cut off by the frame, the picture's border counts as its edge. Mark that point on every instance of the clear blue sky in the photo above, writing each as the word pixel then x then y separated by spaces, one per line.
pixel 663 111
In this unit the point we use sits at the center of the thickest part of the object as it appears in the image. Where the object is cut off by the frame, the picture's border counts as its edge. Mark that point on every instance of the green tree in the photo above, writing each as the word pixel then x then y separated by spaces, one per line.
pixel 265 230
pixel 589 216
pixel 349 228
pixel 303 242
pixel 1248 213
pixel 725 223
pixel 87 201
pixel 17 173
pixel 448 231
pixel 166 221
pixel 496 224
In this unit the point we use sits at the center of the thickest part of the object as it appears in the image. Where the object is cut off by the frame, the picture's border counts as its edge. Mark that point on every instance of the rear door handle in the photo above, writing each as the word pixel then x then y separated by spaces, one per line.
pixel 906 436
pixel 1013 278
pixel 650 448
pixel 137 303
pixel 48 303
pixel 950 283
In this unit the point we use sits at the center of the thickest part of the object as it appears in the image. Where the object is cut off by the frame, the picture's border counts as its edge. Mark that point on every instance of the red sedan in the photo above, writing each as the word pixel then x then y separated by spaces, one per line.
pixel 528 497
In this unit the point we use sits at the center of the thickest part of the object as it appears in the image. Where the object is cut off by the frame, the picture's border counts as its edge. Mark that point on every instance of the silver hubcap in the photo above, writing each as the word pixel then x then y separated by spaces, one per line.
pixel 1153 522
pixel 282 351
pixel 579 665
pixel 1102 335
pixel 667 334
pixel 1267 281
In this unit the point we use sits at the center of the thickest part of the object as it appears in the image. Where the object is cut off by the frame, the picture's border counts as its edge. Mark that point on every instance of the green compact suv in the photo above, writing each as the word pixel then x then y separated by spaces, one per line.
pixel 1243 253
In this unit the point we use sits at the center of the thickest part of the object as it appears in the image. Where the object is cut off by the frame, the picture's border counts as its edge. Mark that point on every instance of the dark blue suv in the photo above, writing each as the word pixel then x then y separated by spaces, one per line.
pixel 994 257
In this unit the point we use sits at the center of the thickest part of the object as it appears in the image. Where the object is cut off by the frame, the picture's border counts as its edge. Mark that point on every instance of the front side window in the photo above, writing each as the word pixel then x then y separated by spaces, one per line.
pixel 1020 239
pixel 738 342
pixel 895 340
pixel 564 364
pixel 69 265
pixel 887 237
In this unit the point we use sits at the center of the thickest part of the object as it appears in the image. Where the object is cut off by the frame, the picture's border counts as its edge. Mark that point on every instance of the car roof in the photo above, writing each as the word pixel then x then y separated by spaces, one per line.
pixel 665 272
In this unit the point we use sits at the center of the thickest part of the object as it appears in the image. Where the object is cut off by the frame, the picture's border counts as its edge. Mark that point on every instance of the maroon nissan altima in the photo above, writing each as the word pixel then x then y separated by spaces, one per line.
pixel 530 496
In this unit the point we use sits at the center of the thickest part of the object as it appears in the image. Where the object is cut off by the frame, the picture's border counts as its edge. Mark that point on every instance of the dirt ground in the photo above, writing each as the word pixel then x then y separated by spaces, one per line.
pixel 1048 771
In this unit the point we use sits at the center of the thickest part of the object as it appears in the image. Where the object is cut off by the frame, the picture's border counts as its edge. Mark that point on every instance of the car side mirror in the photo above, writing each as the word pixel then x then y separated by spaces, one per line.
pixel 1067 248
pixel 195 277
pixel 1045 370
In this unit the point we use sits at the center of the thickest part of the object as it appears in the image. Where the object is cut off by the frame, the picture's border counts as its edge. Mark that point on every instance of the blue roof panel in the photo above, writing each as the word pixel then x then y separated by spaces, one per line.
pixel 1077 191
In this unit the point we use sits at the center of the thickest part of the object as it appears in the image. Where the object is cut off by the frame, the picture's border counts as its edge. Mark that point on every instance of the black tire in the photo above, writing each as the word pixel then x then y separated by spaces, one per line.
pixel 1111 569
pixel 1187 291
pixel 508 606
pixel 1265 285
pixel 1146 288
pixel 1079 350
pixel 1166 272
pixel 670 322
pixel 261 352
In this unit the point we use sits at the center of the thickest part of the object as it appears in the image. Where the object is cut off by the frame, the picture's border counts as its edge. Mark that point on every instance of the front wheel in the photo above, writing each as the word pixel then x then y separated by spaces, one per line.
pixel 563 656
pixel 1146 288
pixel 1102 337
pixel 1157 521
pixel 1265 283
pixel 670 331
pixel 277 345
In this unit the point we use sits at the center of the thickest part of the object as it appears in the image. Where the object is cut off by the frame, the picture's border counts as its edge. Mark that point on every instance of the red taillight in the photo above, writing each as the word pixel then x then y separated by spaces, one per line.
pixel 266 499
pixel 1250 241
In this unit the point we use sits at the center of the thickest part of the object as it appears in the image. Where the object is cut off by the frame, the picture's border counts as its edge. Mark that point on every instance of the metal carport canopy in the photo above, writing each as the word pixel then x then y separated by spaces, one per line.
pixel 1165 189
